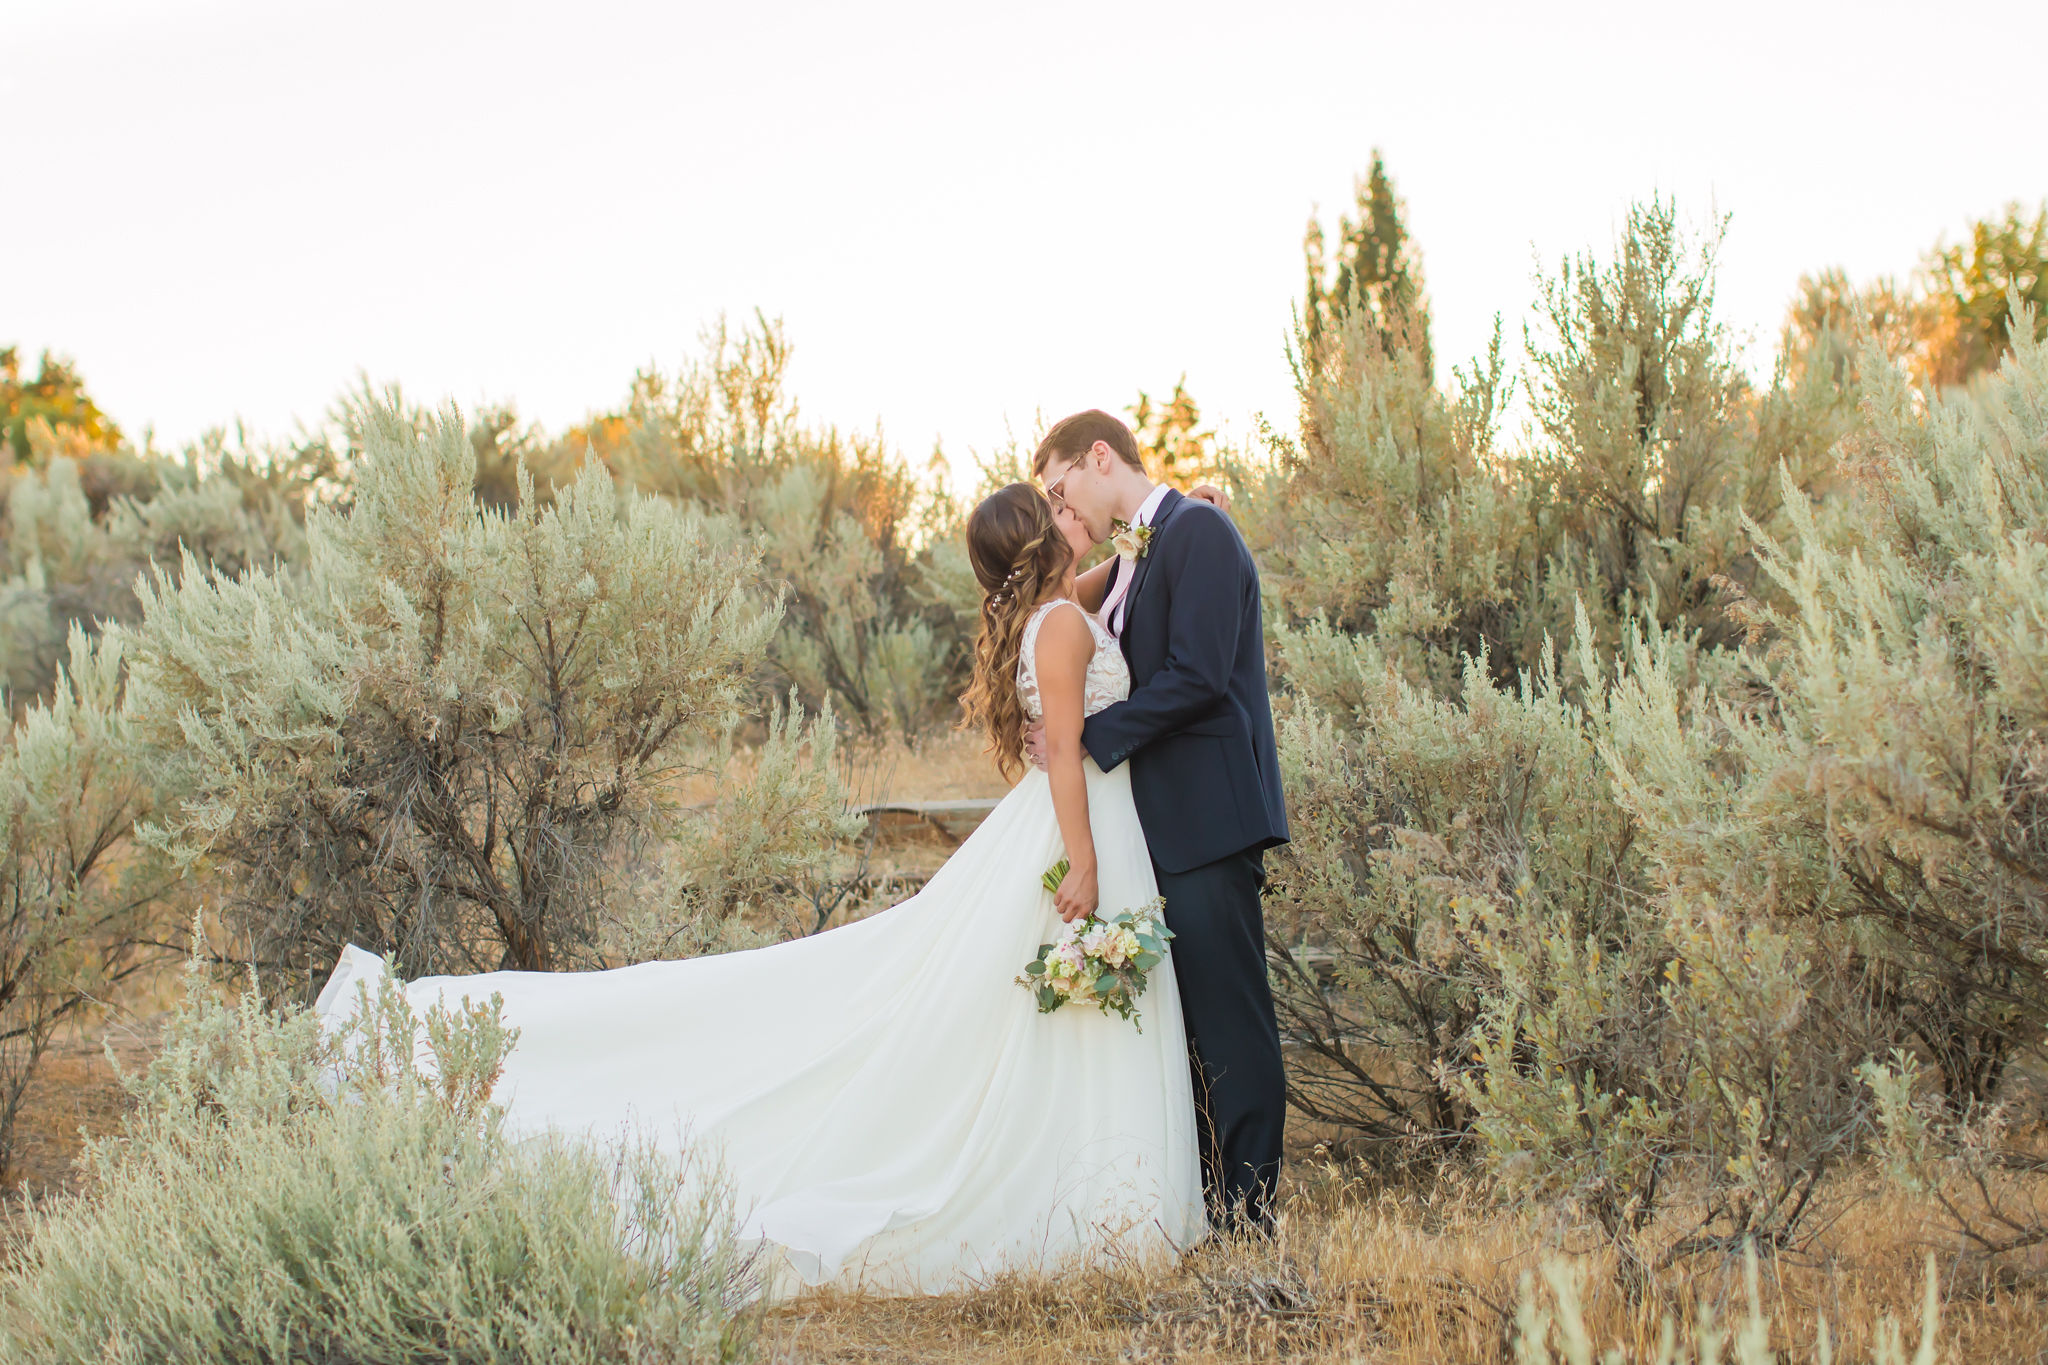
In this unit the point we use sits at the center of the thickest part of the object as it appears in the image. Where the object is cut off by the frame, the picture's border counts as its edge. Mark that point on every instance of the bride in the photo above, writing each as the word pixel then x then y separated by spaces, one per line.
pixel 891 1108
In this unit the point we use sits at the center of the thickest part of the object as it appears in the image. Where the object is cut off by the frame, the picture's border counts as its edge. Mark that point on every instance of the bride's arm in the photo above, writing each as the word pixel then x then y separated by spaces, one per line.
pixel 1065 645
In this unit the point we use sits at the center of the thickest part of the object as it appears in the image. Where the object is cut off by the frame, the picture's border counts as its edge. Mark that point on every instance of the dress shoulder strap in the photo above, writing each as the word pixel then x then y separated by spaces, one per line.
pixel 1038 618
pixel 1027 649
pixel 1028 641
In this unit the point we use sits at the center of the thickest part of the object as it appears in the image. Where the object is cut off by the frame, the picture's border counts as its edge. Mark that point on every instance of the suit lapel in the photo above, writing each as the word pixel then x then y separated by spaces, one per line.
pixel 1167 506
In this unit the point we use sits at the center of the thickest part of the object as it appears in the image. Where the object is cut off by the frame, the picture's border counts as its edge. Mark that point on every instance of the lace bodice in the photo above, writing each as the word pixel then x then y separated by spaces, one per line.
pixel 1108 679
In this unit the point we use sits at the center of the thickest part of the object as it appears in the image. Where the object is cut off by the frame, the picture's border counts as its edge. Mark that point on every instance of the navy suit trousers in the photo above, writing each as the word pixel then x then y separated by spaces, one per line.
pixel 1219 961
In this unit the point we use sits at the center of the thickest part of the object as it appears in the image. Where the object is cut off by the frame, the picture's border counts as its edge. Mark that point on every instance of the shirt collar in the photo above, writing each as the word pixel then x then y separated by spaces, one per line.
pixel 1150 507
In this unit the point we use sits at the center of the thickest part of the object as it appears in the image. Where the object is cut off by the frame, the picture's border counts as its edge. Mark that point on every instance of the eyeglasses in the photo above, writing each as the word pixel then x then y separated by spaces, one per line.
pixel 1052 490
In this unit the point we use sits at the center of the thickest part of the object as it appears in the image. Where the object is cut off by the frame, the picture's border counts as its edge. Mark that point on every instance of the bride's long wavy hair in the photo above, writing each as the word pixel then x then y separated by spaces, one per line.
pixel 1021 559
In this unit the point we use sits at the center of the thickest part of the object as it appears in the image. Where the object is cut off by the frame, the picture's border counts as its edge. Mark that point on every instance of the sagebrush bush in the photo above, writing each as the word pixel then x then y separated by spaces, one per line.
pixel 1649 781
pixel 1880 784
pixel 280 1196
pixel 1881 767
pixel 81 524
pixel 1426 579
pixel 879 608
pixel 1405 819
pixel 73 902
pixel 441 736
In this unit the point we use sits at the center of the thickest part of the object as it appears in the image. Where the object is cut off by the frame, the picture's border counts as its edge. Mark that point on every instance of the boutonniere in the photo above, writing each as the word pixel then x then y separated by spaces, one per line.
pixel 1129 541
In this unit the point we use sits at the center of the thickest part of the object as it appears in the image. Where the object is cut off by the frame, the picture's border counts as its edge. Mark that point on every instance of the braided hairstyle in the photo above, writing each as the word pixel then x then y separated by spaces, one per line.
pixel 1021 560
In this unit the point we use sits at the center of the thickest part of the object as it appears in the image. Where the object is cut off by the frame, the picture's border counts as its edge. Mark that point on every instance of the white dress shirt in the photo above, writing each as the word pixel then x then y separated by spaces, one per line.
pixel 1128 573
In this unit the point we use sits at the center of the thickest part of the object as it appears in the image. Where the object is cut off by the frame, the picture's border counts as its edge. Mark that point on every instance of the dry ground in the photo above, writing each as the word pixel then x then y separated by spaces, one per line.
pixel 73 1093
pixel 1362 1271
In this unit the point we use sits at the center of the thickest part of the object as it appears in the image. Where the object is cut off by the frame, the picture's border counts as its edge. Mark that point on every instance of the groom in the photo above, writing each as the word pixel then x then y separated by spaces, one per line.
pixel 1198 733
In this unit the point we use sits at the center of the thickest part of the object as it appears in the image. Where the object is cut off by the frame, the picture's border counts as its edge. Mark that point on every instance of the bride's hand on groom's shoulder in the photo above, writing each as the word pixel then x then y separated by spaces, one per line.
pixel 1211 494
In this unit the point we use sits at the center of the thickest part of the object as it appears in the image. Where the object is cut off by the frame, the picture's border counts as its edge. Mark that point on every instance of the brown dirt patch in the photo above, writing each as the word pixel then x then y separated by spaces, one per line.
pixel 74 1094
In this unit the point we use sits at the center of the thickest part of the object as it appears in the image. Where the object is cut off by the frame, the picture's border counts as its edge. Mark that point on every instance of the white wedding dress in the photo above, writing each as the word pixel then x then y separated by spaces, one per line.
pixel 893 1112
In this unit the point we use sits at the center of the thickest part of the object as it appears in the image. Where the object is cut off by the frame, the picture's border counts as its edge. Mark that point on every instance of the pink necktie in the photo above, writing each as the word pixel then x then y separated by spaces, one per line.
pixel 1126 574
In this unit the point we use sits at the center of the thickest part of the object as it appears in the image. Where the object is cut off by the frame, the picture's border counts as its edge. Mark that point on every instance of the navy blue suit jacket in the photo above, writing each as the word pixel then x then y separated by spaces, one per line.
pixel 1197 729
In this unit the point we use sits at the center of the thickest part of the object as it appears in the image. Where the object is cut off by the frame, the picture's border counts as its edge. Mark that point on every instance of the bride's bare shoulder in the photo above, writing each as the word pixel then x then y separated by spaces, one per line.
pixel 1064 635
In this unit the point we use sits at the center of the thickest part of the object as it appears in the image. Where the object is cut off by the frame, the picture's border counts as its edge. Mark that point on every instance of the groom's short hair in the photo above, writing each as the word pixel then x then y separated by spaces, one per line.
pixel 1071 437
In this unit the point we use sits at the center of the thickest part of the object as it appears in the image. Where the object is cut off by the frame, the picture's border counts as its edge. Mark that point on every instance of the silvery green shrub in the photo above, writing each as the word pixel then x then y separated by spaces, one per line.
pixel 73 779
pixel 1880 785
pixel 1616 882
pixel 283 1196
pixel 861 545
pixel 78 526
pixel 1426 578
pixel 446 731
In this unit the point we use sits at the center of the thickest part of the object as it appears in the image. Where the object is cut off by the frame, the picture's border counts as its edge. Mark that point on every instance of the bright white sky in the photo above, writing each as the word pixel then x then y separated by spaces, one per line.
pixel 968 215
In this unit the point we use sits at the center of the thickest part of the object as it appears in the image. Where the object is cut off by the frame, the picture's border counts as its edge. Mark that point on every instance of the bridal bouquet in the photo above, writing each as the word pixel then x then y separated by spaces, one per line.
pixel 1097 959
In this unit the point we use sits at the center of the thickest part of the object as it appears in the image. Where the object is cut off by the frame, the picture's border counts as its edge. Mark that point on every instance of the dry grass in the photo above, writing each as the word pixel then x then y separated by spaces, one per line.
pixel 1364 1273
pixel 948 766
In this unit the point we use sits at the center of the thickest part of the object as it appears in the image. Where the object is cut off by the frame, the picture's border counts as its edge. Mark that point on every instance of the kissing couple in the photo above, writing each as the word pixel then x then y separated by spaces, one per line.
pixel 893 1114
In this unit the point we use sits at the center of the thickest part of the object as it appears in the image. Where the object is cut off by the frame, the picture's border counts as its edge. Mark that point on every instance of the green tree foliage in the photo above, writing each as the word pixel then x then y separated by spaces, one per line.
pixel 438 736
pixel 1831 324
pixel 1969 284
pixel 1175 446
pixel 56 397
pixel 1953 325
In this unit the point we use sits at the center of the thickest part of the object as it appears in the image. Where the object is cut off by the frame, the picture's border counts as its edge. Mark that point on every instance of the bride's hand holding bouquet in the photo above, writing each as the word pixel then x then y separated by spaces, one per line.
pixel 1075 895
pixel 1103 961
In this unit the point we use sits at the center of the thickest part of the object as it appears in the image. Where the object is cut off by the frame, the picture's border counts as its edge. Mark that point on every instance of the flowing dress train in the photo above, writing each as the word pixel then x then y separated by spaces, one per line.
pixel 892 1110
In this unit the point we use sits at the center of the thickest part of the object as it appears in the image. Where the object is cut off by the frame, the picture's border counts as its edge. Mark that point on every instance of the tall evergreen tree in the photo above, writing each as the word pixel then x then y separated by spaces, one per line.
pixel 1176 447
pixel 1377 268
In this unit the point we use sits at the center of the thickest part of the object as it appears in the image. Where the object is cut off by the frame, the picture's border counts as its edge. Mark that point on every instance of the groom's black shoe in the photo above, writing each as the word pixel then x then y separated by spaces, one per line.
pixel 1241 1221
